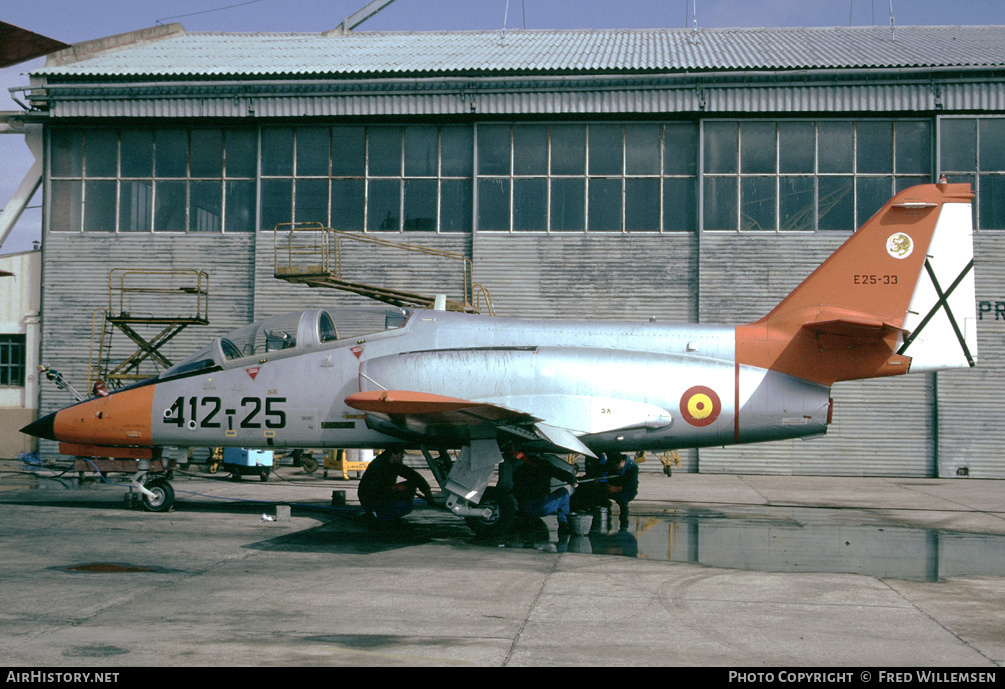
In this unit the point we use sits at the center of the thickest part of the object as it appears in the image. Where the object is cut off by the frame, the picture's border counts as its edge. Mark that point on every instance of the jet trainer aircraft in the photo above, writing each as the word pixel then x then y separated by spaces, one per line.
pixel 897 297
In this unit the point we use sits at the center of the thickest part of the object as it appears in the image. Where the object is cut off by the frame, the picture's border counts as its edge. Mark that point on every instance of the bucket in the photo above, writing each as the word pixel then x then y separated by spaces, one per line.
pixel 601 518
pixel 580 523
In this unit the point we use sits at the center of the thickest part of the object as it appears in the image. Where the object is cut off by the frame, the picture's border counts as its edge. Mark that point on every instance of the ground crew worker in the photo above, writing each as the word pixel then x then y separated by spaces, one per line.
pixel 533 492
pixel 611 476
pixel 622 483
pixel 382 496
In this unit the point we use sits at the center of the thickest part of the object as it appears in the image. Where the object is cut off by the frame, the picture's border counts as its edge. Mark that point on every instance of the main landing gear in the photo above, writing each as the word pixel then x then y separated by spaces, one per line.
pixel 487 510
pixel 498 513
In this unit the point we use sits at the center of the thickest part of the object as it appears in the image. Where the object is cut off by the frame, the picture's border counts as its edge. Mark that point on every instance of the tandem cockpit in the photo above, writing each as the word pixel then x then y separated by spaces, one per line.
pixel 289 334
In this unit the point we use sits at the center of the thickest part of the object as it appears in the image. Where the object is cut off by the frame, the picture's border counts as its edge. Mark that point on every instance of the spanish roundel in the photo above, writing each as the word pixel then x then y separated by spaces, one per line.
pixel 700 406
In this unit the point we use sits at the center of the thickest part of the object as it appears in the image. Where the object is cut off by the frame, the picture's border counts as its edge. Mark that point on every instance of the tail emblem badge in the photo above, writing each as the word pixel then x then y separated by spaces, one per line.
pixel 899 245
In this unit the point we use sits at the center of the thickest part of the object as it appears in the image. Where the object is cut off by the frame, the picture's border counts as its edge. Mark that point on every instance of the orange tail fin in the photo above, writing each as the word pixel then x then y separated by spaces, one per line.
pixel 897 296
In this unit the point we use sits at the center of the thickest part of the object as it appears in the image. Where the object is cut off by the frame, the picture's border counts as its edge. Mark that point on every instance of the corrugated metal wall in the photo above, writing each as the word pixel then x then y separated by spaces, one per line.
pixel 589 276
pixel 435 98
pixel 880 428
pixel 75 284
pixel 970 402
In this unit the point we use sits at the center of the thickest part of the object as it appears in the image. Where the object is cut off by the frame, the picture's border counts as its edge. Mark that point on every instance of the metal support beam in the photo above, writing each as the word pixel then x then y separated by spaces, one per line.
pixel 29 185
pixel 360 16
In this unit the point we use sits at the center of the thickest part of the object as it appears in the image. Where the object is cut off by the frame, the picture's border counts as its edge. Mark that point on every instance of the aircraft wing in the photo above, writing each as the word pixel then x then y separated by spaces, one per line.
pixel 428 417
pixel 18 45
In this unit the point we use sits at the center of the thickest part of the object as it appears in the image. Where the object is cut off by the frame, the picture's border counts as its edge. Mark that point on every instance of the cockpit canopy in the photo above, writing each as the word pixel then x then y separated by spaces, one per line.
pixel 290 333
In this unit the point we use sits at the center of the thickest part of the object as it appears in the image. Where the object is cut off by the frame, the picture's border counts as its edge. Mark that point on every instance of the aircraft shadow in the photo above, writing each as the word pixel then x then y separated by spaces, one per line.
pixel 348 531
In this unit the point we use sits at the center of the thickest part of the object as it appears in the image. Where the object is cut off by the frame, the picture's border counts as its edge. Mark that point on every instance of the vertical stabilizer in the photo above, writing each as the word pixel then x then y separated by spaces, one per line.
pixel 897 296
pixel 942 319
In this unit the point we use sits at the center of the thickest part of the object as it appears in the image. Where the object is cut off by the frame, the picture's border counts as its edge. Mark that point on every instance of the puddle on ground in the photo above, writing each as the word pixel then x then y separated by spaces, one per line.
pixel 786 544
pixel 112 568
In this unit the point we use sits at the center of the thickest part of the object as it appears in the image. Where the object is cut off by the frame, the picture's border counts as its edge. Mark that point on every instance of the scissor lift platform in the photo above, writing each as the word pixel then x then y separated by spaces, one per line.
pixel 150 307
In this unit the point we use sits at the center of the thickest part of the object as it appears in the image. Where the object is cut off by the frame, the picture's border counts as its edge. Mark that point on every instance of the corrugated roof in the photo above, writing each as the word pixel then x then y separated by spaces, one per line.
pixel 207 55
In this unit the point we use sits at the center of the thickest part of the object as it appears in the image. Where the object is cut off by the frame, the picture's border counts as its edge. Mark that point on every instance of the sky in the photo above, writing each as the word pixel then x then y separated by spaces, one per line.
pixel 72 22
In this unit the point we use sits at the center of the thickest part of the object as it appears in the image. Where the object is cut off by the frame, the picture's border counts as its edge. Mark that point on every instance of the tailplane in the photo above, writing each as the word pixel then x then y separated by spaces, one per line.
pixel 898 296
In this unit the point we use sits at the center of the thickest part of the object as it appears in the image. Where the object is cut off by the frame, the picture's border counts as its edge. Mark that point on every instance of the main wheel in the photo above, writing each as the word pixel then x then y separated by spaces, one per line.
pixel 309 464
pixel 163 496
pixel 503 517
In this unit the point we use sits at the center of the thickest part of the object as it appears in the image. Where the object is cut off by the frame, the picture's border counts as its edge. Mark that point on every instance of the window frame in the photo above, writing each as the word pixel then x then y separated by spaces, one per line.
pixel 13 360
pixel 897 179
pixel 976 176
pixel 595 184
pixel 157 183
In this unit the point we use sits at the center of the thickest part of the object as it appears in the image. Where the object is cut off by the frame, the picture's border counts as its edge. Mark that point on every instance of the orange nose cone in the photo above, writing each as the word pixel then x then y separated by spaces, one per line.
pixel 122 418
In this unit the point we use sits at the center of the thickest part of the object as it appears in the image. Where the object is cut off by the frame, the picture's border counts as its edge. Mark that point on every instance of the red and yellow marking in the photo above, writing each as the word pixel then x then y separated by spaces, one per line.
pixel 700 405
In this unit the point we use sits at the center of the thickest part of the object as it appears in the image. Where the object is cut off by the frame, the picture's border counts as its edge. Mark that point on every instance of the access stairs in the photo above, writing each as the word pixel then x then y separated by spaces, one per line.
pixel 314 255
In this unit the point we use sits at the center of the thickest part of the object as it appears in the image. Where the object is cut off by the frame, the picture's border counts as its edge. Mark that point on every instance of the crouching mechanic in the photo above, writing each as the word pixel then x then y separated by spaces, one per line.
pixel 382 496
pixel 610 477
pixel 622 483
pixel 532 488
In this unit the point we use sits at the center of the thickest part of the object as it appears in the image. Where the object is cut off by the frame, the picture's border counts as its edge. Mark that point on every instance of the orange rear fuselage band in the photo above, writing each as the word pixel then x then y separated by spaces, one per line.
pixel 862 282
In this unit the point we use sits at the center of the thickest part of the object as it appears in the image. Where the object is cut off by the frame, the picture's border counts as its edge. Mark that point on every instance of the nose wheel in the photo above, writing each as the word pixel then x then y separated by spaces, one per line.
pixel 158 496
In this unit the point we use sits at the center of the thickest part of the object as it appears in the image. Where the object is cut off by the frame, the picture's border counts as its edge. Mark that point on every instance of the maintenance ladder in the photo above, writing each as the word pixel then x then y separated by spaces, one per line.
pixel 150 307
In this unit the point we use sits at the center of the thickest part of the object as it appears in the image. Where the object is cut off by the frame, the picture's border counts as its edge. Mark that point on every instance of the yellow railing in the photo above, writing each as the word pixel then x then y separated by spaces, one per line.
pixel 138 298
pixel 304 249
pixel 124 282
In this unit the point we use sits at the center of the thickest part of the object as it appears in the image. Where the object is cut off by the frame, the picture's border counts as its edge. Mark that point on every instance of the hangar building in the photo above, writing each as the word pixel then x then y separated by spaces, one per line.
pixel 682 175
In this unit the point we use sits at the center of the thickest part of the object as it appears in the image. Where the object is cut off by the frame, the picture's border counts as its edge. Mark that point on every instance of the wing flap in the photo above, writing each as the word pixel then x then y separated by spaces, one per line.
pixel 563 438
pixel 434 409
pixel 426 415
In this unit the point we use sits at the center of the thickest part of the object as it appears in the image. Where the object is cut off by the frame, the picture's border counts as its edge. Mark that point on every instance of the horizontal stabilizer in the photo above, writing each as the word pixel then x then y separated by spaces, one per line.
pixel 863 328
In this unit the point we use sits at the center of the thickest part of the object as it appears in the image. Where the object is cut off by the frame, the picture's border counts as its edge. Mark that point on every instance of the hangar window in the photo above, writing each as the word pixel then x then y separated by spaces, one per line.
pixel 415 178
pixel 12 360
pixel 594 177
pixel 805 175
pixel 161 180
pixel 972 150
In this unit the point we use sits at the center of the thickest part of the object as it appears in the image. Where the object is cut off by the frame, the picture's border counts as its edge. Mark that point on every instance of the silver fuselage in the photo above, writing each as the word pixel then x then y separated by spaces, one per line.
pixel 615 385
